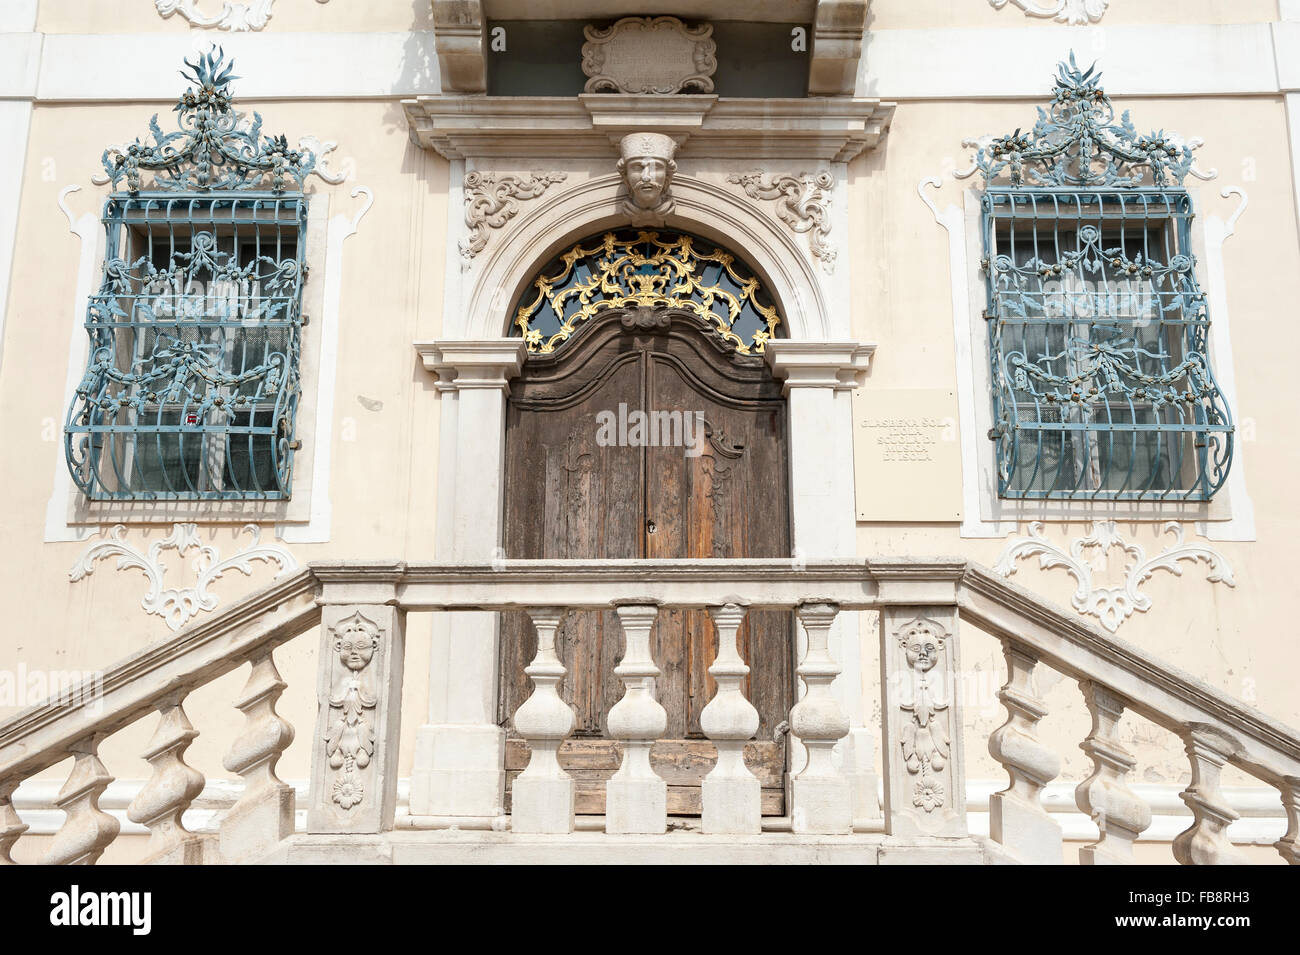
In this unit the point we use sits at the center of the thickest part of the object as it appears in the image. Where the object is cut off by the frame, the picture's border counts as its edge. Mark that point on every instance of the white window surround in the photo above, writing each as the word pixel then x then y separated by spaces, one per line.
pixel 305 516
pixel 1229 516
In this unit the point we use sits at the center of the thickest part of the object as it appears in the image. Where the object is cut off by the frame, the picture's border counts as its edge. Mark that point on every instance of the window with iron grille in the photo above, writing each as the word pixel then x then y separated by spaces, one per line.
pixel 1098 329
pixel 192 382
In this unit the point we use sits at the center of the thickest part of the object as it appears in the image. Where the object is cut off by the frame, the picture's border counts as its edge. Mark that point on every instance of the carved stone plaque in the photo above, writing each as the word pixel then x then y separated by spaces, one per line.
pixel 906 454
pixel 649 55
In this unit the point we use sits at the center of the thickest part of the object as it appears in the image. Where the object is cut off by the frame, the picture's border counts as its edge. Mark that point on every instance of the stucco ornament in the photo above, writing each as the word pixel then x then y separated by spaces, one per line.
pixel 350 742
pixel 1063 11
pixel 803 204
pixel 492 200
pixel 1111 605
pixel 646 164
pixel 235 17
pixel 649 55
pixel 924 737
pixel 178 605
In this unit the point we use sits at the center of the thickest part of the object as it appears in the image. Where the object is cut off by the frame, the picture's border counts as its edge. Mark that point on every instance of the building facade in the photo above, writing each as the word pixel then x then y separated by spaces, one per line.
pixel 621 408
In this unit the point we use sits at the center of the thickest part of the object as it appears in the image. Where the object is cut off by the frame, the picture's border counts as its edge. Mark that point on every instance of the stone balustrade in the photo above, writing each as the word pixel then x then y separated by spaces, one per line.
pixel 360 609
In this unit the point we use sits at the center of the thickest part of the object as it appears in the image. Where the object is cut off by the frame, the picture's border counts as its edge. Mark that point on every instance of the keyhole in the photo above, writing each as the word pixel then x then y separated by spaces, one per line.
pixel 650 527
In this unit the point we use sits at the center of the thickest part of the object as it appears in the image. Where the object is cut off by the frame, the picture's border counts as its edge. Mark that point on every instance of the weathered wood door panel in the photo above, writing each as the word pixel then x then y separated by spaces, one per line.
pixel 570 495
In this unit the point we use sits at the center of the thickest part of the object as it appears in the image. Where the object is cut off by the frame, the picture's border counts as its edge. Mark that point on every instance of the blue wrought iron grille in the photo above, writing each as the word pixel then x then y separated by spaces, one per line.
pixel 192 383
pixel 1102 386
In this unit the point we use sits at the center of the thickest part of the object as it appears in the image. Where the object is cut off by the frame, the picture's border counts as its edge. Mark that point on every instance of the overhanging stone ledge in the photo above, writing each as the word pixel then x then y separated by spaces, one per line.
pixel 832 129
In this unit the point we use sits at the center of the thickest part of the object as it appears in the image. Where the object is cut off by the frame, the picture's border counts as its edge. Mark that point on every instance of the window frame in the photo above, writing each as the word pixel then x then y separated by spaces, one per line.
pixel 295 509
pixel 997 515
pixel 1016 220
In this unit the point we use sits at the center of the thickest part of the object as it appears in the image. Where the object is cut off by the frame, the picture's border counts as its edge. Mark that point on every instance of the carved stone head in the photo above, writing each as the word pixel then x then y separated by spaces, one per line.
pixel 355 641
pixel 646 164
pixel 921 641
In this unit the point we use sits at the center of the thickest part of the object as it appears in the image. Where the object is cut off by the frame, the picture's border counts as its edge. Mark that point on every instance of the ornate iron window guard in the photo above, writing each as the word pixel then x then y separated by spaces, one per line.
pixel 1099 349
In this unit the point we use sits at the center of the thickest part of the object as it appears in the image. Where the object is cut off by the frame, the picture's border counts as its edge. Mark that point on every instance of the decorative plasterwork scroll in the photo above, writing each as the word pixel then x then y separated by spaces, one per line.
pixel 350 742
pixel 649 55
pixel 1064 11
pixel 177 605
pixel 490 202
pixel 1111 605
pixel 803 204
pixel 924 736
pixel 233 16
pixel 1077 142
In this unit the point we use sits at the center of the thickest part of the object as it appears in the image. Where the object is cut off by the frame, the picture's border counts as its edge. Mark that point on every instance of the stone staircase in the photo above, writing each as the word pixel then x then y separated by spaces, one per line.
pixel 360 612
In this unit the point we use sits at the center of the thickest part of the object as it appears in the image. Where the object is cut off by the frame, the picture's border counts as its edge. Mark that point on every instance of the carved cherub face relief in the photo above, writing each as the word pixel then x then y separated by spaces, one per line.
pixel 647 167
pixel 921 646
pixel 355 644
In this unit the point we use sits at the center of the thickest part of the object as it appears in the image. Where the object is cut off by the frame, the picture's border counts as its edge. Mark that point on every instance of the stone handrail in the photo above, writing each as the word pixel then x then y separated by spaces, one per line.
pixel 361 607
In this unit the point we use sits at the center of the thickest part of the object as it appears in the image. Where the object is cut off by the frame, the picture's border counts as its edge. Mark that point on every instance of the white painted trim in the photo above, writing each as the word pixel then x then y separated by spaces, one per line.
pixel 90 234
pixel 317 529
pixel 271 65
pixel 15 124
pixel 18 16
pixel 1012 62
pixel 1262 822
pixel 932 63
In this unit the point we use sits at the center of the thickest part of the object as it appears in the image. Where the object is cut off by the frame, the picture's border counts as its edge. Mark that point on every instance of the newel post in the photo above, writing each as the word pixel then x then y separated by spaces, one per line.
pixel 358 717
pixel 925 779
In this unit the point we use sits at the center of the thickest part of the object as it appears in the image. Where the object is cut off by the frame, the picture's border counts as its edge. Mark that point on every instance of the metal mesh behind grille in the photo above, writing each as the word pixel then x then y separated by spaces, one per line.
pixel 1098 330
pixel 192 382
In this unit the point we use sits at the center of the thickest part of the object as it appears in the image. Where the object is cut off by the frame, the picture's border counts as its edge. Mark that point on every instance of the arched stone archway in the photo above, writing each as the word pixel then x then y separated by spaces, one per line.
pixel 459 765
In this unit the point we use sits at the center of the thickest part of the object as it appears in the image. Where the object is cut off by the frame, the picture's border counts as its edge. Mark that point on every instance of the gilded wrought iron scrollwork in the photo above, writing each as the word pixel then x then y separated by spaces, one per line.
pixel 638 269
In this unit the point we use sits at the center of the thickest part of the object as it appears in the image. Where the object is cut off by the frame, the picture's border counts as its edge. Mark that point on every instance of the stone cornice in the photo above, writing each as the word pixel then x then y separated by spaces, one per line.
pixel 827 128
pixel 814 364
pixel 459 365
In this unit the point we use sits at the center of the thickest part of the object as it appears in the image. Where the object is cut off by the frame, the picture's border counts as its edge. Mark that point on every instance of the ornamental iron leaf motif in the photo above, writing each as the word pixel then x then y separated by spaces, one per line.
pixel 490 202
pixel 350 739
pixel 1075 12
pixel 177 605
pixel 1077 142
pixel 924 737
pixel 212 149
pixel 1111 605
pixel 646 269
pixel 803 205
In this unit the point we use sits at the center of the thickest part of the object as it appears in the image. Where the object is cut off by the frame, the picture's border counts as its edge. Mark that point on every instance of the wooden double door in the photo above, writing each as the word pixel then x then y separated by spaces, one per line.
pixel 703 472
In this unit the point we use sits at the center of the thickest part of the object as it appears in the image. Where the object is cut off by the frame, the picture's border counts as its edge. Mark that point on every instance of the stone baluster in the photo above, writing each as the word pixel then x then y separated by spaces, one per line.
pixel 358 716
pixel 11 827
pixel 731 793
pixel 822 801
pixel 87 830
pixel 1017 819
pixel 170 790
pixel 1120 814
pixel 925 781
pixel 542 797
pixel 636 798
pixel 1289 844
pixel 1206 841
pixel 265 810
